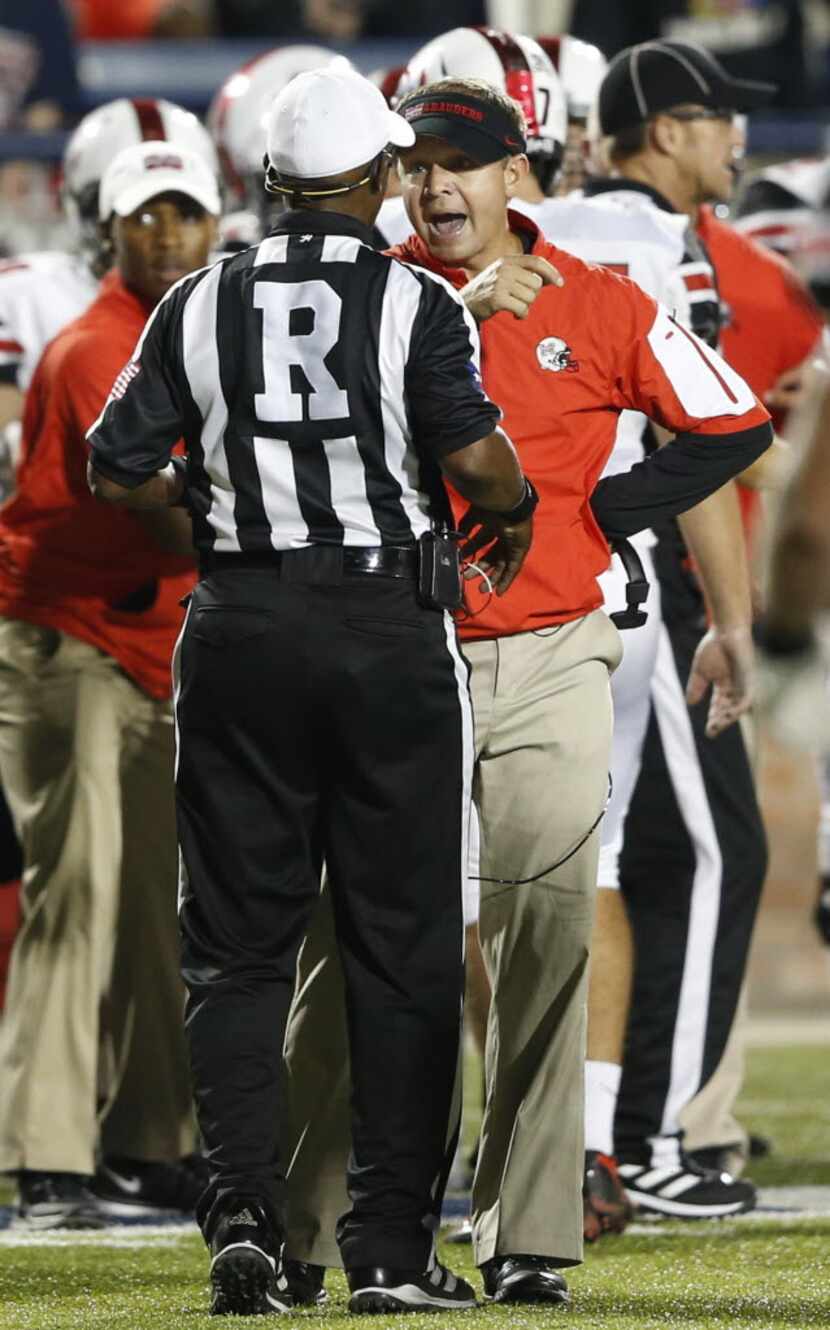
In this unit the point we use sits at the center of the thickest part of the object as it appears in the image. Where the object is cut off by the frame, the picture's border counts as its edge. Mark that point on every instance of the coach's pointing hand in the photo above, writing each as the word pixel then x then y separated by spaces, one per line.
pixel 511 283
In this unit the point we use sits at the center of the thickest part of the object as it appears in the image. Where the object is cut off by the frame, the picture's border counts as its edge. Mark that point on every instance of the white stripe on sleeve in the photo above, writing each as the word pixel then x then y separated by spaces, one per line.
pixel 704 383
pixel 400 307
pixel 200 354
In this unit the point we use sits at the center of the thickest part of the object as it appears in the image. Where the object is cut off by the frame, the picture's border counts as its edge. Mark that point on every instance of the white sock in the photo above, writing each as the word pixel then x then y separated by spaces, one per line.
pixel 602 1086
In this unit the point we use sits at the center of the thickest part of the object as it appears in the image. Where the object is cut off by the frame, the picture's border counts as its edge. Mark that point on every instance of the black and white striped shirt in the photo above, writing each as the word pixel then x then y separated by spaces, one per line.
pixel 315 382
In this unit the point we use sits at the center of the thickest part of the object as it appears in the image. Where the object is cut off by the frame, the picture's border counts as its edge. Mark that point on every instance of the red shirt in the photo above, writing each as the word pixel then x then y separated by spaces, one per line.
pixel 772 321
pixel 126 20
pixel 562 376
pixel 68 561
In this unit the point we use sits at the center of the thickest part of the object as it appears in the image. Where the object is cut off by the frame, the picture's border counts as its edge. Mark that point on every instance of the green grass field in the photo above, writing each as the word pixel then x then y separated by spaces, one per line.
pixel 759 1272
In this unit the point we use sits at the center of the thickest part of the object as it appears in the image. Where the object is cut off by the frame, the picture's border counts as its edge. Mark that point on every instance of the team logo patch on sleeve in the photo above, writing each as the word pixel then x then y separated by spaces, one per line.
pixel 553 353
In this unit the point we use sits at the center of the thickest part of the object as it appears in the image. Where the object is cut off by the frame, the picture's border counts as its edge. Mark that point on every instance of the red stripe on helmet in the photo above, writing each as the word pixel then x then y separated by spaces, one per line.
pixel 552 47
pixel 148 113
pixel 389 83
pixel 518 76
pixel 217 119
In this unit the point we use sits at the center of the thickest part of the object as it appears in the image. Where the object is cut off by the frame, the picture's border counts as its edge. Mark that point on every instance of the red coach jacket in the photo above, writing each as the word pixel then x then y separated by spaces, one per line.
pixel 562 376
pixel 68 561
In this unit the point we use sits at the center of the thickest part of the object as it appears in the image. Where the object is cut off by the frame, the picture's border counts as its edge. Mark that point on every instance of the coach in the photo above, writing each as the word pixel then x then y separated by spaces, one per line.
pixel 322 703
pixel 541 656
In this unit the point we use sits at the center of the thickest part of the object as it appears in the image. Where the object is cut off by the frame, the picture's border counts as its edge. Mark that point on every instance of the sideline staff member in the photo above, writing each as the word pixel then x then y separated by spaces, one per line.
pixel 90 608
pixel 319 387
pixel 541 657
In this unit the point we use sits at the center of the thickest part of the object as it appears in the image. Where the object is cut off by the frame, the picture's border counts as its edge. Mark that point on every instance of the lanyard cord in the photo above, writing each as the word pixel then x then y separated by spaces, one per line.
pixel 526 881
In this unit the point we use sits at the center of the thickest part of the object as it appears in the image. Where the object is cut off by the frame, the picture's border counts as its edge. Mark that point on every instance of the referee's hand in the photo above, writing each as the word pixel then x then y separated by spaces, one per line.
pixel 511 283
pixel 493 548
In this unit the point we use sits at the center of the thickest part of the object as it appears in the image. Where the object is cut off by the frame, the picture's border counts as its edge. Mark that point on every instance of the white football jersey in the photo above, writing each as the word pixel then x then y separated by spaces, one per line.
pixel 39 294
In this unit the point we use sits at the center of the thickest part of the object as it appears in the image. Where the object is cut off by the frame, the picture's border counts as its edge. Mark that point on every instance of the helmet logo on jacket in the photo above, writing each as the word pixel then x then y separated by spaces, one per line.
pixel 554 354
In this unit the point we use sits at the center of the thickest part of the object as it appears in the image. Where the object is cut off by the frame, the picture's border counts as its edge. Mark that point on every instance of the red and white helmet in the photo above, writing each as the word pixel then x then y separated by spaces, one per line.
pixel 514 64
pixel 238 113
pixel 581 67
pixel 102 134
pixel 388 80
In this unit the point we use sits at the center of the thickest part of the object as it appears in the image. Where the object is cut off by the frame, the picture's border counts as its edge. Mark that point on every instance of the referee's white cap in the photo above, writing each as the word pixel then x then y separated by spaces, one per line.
pixel 145 170
pixel 330 120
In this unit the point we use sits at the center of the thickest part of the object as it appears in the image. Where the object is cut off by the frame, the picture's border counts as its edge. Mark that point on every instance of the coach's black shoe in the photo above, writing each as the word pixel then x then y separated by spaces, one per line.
pixel 305 1283
pixel 56 1200
pixel 377 1289
pixel 245 1271
pixel 686 1191
pixel 130 1188
pixel 524 1279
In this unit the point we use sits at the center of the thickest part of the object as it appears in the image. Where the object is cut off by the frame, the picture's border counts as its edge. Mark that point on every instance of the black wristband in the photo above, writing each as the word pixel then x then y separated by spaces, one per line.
pixel 180 467
pixel 782 642
pixel 522 510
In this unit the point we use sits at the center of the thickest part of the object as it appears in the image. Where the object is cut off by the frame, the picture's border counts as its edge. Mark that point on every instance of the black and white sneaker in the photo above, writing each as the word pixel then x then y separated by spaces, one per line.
pixel 246 1273
pixel 306 1283
pixel 377 1289
pixel 56 1200
pixel 532 1279
pixel 686 1191
pixel 135 1188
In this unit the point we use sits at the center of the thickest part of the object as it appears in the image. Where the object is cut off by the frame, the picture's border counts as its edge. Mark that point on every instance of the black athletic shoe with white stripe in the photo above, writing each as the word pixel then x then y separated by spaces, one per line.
pixel 686 1191
pixel 377 1289
pixel 532 1279
pixel 246 1273
pixel 56 1200
pixel 130 1188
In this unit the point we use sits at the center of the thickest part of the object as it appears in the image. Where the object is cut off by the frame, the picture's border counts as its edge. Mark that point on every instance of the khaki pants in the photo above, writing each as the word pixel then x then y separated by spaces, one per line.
pixel 86 760
pixel 709 1119
pixel 543 720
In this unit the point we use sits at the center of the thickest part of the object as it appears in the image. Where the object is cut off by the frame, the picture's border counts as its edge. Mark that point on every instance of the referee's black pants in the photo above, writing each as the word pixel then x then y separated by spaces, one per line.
pixel 324 719
pixel 691 870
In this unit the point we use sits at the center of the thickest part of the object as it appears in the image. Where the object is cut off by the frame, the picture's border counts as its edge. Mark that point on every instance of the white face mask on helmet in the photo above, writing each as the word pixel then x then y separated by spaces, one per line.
pixel 514 64
pixel 100 137
pixel 238 116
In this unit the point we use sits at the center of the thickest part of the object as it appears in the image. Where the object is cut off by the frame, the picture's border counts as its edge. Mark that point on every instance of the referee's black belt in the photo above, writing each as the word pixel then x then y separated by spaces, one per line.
pixel 315 562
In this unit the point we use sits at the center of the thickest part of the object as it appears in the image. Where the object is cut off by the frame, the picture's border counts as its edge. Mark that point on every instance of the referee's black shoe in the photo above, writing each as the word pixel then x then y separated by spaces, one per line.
pixel 686 1191
pixel 377 1289
pixel 524 1279
pixel 246 1273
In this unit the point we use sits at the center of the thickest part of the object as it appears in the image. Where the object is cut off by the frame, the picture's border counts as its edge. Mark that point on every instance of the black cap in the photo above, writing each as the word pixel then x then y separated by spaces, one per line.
pixel 481 129
pixel 655 76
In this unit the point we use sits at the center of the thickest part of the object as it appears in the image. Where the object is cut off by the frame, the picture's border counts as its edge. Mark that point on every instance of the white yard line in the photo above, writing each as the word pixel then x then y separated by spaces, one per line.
pixel 116 1235
pixel 785 1205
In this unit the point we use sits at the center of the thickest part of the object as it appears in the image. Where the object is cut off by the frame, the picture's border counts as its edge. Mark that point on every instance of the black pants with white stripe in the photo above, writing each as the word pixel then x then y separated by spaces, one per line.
pixel 692 869
pixel 324 718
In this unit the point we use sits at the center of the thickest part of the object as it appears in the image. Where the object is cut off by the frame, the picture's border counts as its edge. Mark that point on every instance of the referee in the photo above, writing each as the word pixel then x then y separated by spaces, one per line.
pixel 322 707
